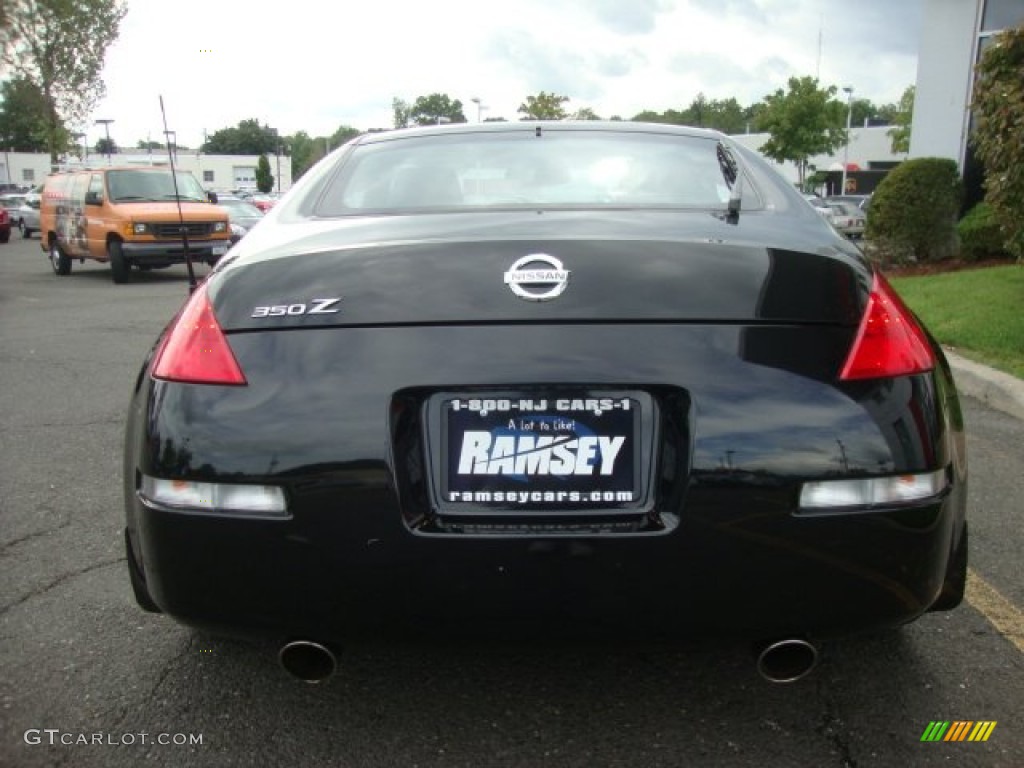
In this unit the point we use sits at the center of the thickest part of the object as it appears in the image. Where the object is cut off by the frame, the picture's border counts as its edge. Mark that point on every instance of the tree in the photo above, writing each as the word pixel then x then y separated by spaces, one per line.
pixel 804 121
pixel 345 133
pixel 436 108
pixel 248 138
pixel 23 126
pixel 585 113
pixel 107 146
pixel 401 110
pixel 59 46
pixel 544 106
pixel 862 111
pixel 264 179
pixel 304 152
pixel 149 146
pixel 725 115
pixel 902 119
pixel 998 134
pixel 669 117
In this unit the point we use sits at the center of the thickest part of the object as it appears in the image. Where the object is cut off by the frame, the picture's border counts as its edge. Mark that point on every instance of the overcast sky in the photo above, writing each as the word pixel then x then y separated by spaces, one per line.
pixel 314 65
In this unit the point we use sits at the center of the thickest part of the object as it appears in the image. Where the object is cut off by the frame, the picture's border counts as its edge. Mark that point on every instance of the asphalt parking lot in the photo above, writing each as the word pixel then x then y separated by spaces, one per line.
pixel 87 679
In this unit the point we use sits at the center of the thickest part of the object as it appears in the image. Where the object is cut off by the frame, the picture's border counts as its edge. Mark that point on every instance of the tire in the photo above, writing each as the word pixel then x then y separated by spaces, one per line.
pixel 25 232
pixel 5 236
pixel 120 269
pixel 59 260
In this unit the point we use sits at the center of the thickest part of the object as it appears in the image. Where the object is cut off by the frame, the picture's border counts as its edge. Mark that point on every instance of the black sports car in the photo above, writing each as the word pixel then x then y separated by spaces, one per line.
pixel 587 376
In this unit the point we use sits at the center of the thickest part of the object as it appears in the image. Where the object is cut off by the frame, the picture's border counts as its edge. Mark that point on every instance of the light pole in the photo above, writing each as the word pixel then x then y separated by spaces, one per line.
pixel 280 149
pixel 79 137
pixel 846 147
pixel 171 137
pixel 105 122
pixel 480 106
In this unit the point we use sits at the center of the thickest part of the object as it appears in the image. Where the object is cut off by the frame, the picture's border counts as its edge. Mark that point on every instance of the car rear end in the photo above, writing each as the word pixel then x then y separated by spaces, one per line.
pixel 611 418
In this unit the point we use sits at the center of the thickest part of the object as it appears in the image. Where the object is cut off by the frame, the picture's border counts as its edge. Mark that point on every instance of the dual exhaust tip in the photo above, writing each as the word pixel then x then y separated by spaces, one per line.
pixel 785 661
pixel 778 661
pixel 308 661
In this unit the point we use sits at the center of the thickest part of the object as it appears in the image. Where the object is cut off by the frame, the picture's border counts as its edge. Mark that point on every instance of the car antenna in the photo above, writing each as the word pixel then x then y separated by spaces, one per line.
pixel 181 217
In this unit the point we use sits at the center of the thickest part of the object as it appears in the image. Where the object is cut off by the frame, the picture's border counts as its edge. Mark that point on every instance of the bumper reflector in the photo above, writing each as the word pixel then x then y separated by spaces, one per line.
pixel 871 491
pixel 216 498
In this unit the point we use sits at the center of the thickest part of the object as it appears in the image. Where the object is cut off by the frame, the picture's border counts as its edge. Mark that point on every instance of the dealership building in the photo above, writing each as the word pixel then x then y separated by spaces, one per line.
pixel 215 172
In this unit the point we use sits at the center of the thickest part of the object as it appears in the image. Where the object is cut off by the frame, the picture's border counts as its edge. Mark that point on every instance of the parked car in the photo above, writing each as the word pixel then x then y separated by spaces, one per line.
pixel 263 202
pixel 848 219
pixel 11 200
pixel 28 213
pixel 863 202
pixel 5 225
pixel 583 377
pixel 820 206
pixel 242 214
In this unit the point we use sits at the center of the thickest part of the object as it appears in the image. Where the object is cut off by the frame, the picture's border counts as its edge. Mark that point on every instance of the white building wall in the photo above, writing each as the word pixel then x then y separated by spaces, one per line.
pixel 945 71
pixel 867 145
pixel 24 168
pixel 22 165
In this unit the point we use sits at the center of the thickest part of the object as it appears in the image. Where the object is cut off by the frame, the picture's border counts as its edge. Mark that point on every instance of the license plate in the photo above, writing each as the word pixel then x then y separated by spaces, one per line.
pixel 220 250
pixel 541 453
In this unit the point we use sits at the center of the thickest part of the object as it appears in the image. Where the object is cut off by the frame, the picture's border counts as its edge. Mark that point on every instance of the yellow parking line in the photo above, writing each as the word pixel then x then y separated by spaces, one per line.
pixel 1007 618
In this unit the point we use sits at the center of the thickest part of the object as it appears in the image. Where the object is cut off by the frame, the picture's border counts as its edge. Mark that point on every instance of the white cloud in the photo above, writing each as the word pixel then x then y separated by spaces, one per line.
pixel 307 65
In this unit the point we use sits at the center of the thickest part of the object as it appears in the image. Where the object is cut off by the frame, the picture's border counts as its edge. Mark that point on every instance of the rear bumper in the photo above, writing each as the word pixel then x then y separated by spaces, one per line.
pixel 730 555
pixel 341 572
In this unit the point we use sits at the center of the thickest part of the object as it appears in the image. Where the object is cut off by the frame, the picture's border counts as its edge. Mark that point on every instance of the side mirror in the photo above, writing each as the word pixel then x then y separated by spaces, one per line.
pixel 212 196
pixel 92 198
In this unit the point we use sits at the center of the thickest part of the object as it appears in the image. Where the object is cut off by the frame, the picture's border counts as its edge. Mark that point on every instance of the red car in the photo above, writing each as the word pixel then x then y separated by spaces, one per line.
pixel 263 202
pixel 5 225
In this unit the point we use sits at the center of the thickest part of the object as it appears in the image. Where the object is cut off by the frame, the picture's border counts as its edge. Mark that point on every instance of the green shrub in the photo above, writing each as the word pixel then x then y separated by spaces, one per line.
pixel 980 236
pixel 914 210
pixel 999 132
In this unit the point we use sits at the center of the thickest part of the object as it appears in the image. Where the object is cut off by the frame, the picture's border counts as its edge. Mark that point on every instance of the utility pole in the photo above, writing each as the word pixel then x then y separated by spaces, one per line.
pixel 846 147
pixel 105 122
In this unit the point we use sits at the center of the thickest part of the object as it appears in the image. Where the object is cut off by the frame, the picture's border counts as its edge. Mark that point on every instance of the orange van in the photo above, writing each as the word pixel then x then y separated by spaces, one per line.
pixel 129 217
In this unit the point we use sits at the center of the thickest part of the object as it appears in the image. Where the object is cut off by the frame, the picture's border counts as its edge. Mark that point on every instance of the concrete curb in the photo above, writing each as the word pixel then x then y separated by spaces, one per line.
pixel 994 388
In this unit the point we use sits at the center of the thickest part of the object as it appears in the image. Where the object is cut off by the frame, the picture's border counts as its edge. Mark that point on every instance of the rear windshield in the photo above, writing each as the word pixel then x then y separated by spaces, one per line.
pixel 152 185
pixel 500 170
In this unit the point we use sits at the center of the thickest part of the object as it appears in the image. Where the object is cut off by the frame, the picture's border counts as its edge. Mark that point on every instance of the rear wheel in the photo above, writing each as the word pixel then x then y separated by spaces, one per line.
pixel 25 231
pixel 59 260
pixel 120 269
pixel 5 235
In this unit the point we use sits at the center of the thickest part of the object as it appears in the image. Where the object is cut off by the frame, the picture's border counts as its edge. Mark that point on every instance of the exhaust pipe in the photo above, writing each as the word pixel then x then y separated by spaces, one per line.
pixel 307 660
pixel 785 661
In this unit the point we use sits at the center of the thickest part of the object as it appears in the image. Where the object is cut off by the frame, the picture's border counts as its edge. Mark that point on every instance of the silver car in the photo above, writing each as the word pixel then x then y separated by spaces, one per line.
pixel 27 215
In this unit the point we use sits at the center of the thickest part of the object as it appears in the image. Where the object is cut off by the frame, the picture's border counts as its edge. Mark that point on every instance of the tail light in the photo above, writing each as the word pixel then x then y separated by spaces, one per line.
pixel 195 350
pixel 889 342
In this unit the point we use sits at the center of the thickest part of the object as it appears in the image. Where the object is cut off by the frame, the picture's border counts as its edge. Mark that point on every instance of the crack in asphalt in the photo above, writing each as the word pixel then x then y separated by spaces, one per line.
pixel 123 712
pixel 34 535
pixel 119 419
pixel 60 580
pixel 831 729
